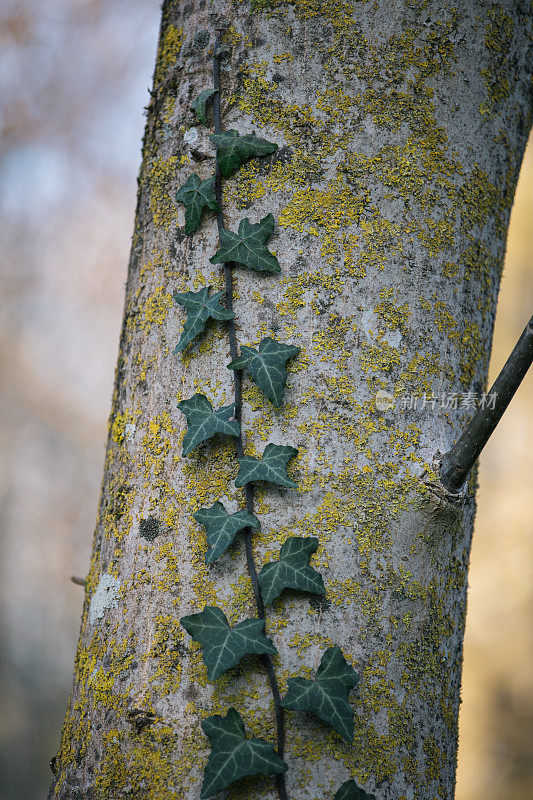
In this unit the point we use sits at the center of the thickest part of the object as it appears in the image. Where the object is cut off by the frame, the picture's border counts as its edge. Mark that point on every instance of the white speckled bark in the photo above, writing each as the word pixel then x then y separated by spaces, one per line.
pixel 401 127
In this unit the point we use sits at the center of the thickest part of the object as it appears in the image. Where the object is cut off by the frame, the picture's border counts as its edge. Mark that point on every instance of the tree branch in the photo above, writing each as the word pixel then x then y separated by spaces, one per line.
pixel 459 460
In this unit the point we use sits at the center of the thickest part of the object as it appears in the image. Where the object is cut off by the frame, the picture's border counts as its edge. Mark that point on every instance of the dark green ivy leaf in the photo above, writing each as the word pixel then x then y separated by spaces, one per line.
pixel 292 571
pixel 271 467
pixel 199 308
pixel 233 756
pixel 195 196
pixel 223 646
pixel 233 150
pixel 203 422
pixel 267 367
pixel 327 695
pixel 248 246
pixel 351 791
pixel 200 104
pixel 222 527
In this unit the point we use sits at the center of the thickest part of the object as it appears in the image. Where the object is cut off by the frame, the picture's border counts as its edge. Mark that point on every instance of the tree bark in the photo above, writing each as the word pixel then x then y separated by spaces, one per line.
pixel 401 128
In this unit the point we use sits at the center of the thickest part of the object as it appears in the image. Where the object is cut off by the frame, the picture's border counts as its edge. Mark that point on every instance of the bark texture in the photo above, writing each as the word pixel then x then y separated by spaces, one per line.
pixel 401 128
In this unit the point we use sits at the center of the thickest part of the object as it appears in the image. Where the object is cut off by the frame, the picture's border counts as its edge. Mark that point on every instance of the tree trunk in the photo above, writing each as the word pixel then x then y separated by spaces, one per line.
pixel 401 128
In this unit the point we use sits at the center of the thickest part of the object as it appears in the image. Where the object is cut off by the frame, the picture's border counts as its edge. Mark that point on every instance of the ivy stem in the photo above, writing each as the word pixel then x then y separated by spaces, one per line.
pixel 248 489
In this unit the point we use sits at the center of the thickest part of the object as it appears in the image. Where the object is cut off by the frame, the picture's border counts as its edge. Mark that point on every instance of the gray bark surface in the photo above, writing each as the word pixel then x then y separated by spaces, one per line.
pixel 401 128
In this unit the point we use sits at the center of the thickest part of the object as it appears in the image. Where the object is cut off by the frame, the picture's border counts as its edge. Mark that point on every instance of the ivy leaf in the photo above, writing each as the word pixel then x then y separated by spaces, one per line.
pixel 351 791
pixel 233 756
pixel 233 150
pixel 292 571
pixel 327 695
pixel 222 527
pixel 248 246
pixel 267 367
pixel 195 196
pixel 199 308
pixel 225 646
pixel 271 467
pixel 203 422
pixel 199 105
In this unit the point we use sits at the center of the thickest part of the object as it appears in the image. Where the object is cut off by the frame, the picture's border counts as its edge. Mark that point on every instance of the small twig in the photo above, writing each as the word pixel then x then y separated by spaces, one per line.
pixel 459 460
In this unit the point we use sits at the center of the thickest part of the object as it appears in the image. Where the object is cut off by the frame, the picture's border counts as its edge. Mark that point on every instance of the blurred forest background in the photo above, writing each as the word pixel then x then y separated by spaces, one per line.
pixel 73 81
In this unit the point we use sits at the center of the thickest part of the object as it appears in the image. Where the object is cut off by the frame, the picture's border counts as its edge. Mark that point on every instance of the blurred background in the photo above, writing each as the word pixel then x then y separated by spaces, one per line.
pixel 73 83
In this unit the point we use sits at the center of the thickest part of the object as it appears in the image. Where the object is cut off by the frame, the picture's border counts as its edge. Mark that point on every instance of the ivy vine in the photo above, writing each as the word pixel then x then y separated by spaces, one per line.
pixel 233 755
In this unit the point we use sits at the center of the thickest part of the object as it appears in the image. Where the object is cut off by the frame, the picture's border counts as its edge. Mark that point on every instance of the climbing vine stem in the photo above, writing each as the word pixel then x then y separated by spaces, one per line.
pixel 248 488
pixel 233 755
